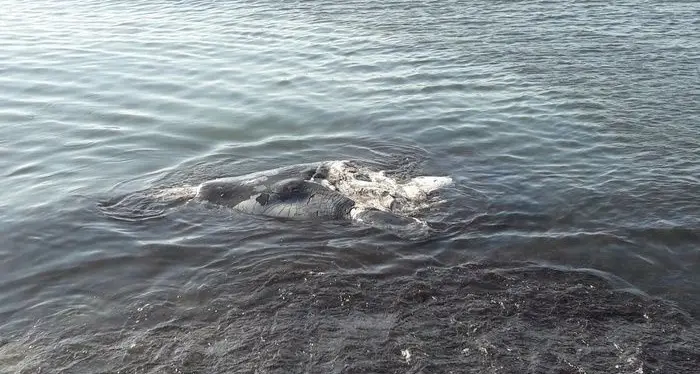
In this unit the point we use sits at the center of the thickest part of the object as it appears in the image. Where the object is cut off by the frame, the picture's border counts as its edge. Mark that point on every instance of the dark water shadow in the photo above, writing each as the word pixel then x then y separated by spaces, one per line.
pixel 305 317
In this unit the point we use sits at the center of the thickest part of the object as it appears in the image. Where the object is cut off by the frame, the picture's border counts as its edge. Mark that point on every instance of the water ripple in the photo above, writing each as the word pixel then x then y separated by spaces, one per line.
pixel 570 129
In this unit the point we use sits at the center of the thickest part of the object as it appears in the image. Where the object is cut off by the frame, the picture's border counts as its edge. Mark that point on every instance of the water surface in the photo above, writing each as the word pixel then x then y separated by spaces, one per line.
pixel 570 128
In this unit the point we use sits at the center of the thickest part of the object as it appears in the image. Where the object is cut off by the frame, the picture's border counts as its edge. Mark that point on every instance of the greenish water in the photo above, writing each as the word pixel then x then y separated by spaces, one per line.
pixel 572 130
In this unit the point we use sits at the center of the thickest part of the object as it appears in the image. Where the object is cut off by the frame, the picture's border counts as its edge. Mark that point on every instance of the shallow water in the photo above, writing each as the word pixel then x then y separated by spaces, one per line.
pixel 571 130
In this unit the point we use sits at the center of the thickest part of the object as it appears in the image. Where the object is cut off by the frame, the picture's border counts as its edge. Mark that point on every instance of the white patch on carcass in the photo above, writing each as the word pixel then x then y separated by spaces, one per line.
pixel 176 193
pixel 355 214
pixel 374 189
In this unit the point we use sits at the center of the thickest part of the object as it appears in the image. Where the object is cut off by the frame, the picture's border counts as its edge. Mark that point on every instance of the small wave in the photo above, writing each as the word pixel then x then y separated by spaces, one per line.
pixel 145 205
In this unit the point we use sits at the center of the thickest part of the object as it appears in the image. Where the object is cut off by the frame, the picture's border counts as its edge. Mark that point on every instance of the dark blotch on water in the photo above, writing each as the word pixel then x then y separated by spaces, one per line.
pixel 473 318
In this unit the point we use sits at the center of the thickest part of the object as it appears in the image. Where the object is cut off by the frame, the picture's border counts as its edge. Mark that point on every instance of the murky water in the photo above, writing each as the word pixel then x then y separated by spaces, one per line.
pixel 571 130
